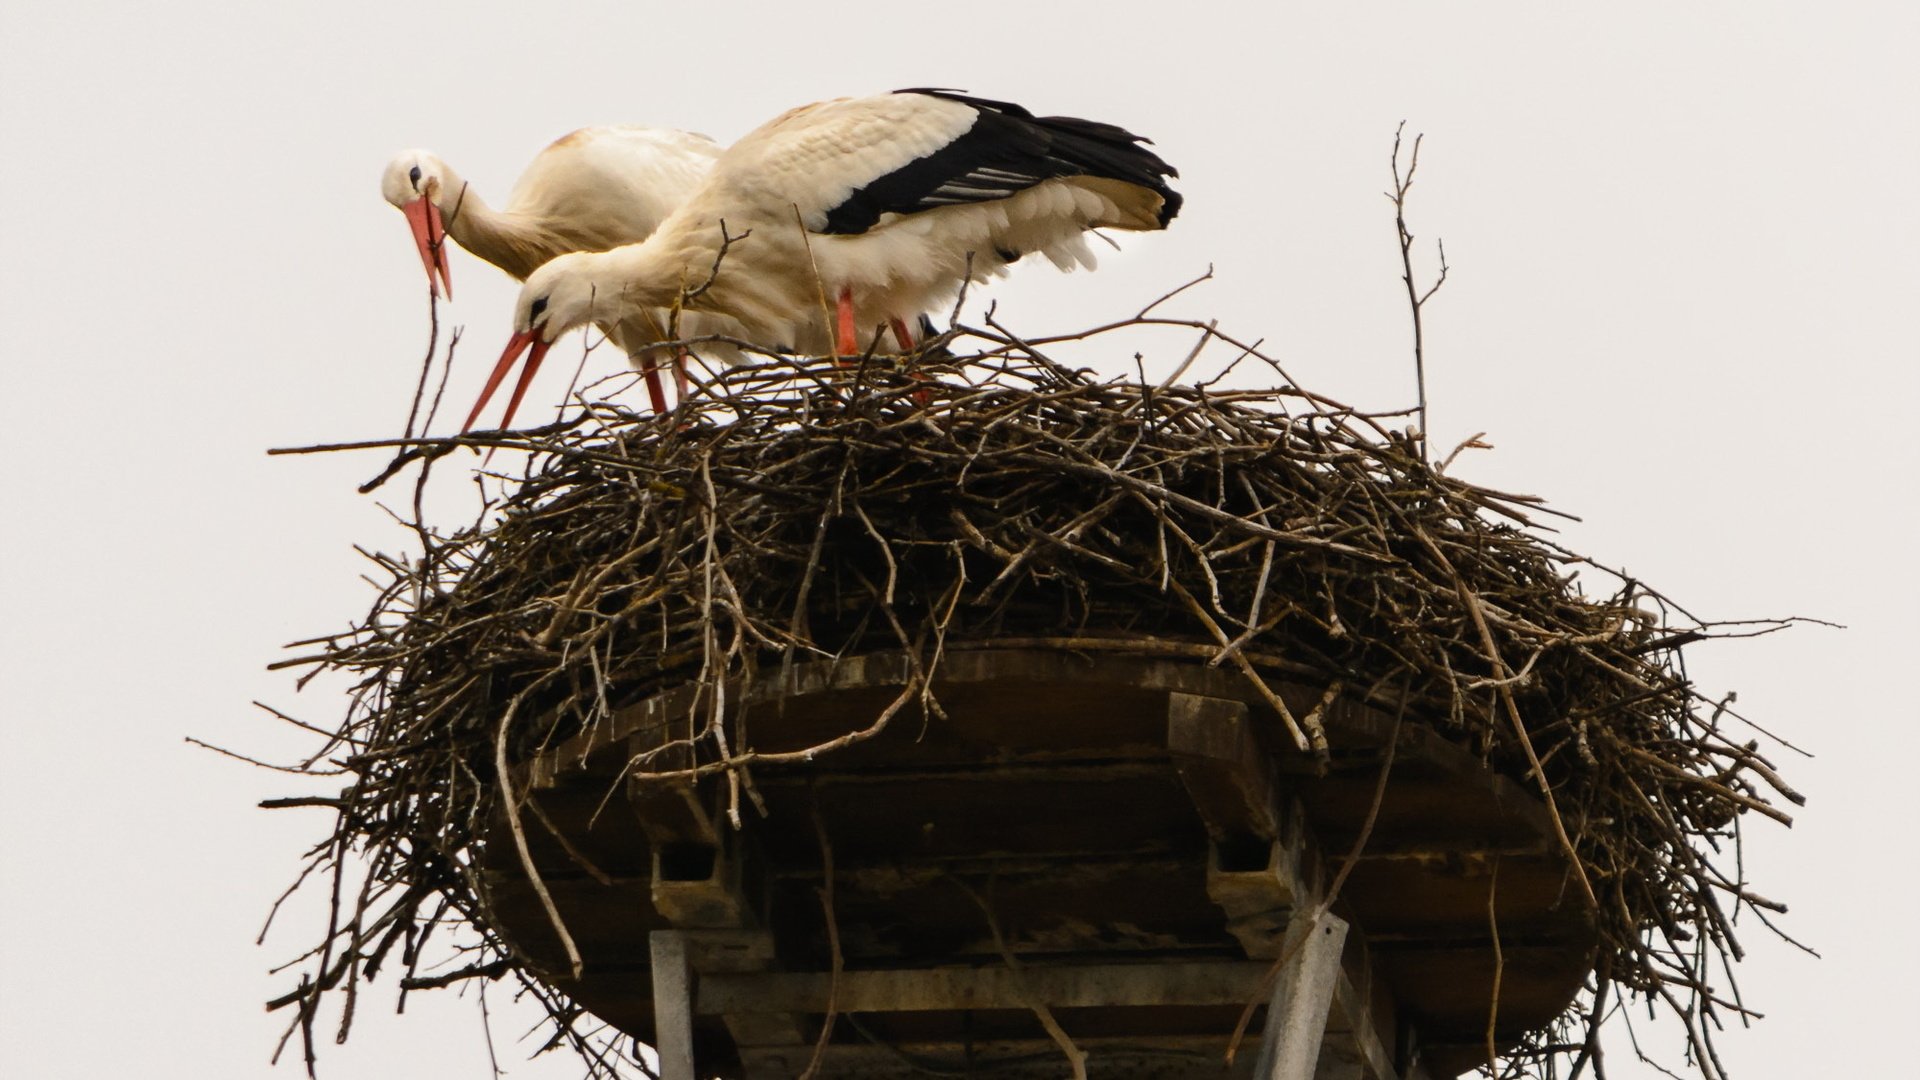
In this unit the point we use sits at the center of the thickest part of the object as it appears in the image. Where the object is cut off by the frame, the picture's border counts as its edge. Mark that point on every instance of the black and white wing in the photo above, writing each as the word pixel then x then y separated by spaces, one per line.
pixel 1005 150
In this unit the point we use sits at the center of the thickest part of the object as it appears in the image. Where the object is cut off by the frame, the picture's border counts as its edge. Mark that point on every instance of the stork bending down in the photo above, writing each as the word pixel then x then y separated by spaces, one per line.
pixel 592 190
pixel 859 213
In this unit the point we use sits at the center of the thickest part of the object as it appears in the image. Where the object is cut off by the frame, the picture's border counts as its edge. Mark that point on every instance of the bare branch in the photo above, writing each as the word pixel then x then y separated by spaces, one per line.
pixel 1416 298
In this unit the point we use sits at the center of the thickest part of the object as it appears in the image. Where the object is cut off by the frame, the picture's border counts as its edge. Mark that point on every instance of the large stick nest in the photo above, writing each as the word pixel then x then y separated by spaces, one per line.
pixel 797 510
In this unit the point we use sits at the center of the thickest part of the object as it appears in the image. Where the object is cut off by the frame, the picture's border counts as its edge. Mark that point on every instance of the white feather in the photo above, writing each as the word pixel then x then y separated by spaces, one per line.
pixel 780 273
pixel 590 190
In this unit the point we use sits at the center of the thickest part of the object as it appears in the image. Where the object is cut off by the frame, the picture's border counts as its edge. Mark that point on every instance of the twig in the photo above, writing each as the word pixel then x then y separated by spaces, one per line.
pixel 1205 336
pixel 508 801
pixel 833 946
pixel 426 362
pixel 1499 962
pixel 1416 300
pixel 1504 690
pixel 1173 292
pixel 1303 737
pixel 1076 1058
pixel 727 240
pixel 819 286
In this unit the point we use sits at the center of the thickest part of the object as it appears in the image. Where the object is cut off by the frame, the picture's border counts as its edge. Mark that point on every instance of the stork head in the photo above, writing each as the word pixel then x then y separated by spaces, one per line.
pixel 416 181
pixel 558 297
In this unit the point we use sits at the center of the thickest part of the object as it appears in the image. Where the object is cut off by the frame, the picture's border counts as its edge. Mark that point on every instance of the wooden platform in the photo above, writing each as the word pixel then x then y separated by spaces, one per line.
pixel 1139 832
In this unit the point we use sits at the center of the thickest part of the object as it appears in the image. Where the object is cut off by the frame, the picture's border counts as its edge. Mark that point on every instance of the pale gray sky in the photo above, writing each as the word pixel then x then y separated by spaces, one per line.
pixel 1683 242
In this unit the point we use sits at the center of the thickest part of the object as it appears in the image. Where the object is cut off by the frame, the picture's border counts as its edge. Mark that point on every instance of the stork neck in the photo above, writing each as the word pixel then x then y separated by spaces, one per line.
pixel 507 240
pixel 643 275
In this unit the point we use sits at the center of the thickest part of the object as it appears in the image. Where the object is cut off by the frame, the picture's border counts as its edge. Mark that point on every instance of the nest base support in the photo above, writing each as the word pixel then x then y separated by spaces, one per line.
pixel 1297 1013
pixel 672 1004
pixel 1265 872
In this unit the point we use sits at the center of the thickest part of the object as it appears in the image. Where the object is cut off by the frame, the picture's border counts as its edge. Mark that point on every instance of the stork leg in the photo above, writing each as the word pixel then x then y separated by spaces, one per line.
pixel 680 374
pixel 904 336
pixel 847 342
pixel 655 392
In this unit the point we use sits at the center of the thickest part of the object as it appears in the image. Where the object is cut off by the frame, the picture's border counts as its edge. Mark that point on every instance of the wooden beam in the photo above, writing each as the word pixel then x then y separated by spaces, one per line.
pixel 673 990
pixel 1260 861
pixel 1167 1057
pixel 699 887
pixel 671 811
pixel 1227 774
pixel 729 951
pixel 1214 982
pixel 1336 1066
pixel 1259 899
pixel 1263 870
pixel 1148 765
pixel 1297 1013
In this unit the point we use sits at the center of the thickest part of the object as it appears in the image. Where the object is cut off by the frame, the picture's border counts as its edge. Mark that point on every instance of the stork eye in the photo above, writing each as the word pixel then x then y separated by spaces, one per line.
pixel 413 175
pixel 538 309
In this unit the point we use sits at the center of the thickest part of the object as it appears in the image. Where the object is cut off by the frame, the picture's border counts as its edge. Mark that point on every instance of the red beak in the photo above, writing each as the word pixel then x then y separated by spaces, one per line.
pixel 430 235
pixel 515 346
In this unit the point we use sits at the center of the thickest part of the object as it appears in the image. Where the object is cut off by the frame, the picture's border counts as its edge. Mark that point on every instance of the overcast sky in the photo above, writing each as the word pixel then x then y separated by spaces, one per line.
pixel 1683 239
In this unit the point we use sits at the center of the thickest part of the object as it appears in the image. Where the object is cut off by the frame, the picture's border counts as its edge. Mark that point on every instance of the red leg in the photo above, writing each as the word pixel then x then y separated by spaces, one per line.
pixel 655 392
pixel 680 374
pixel 905 337
pixel 848 343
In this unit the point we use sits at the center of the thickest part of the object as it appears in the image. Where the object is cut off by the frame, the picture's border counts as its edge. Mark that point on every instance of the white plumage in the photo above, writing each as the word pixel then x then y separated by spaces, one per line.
pixel 847 216
pixel 592 190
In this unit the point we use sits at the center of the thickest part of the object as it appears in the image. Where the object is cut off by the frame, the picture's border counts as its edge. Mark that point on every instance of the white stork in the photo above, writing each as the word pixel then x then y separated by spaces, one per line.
pixel 592 190
pixel 879 208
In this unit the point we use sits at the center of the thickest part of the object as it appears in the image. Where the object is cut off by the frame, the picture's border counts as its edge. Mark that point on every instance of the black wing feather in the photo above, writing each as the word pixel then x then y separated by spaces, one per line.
pixel 1007 150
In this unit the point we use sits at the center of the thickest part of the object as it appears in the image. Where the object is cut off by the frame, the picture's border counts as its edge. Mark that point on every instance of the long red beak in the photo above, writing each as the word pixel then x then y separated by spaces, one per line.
pixel 430 235
pixel 515 346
